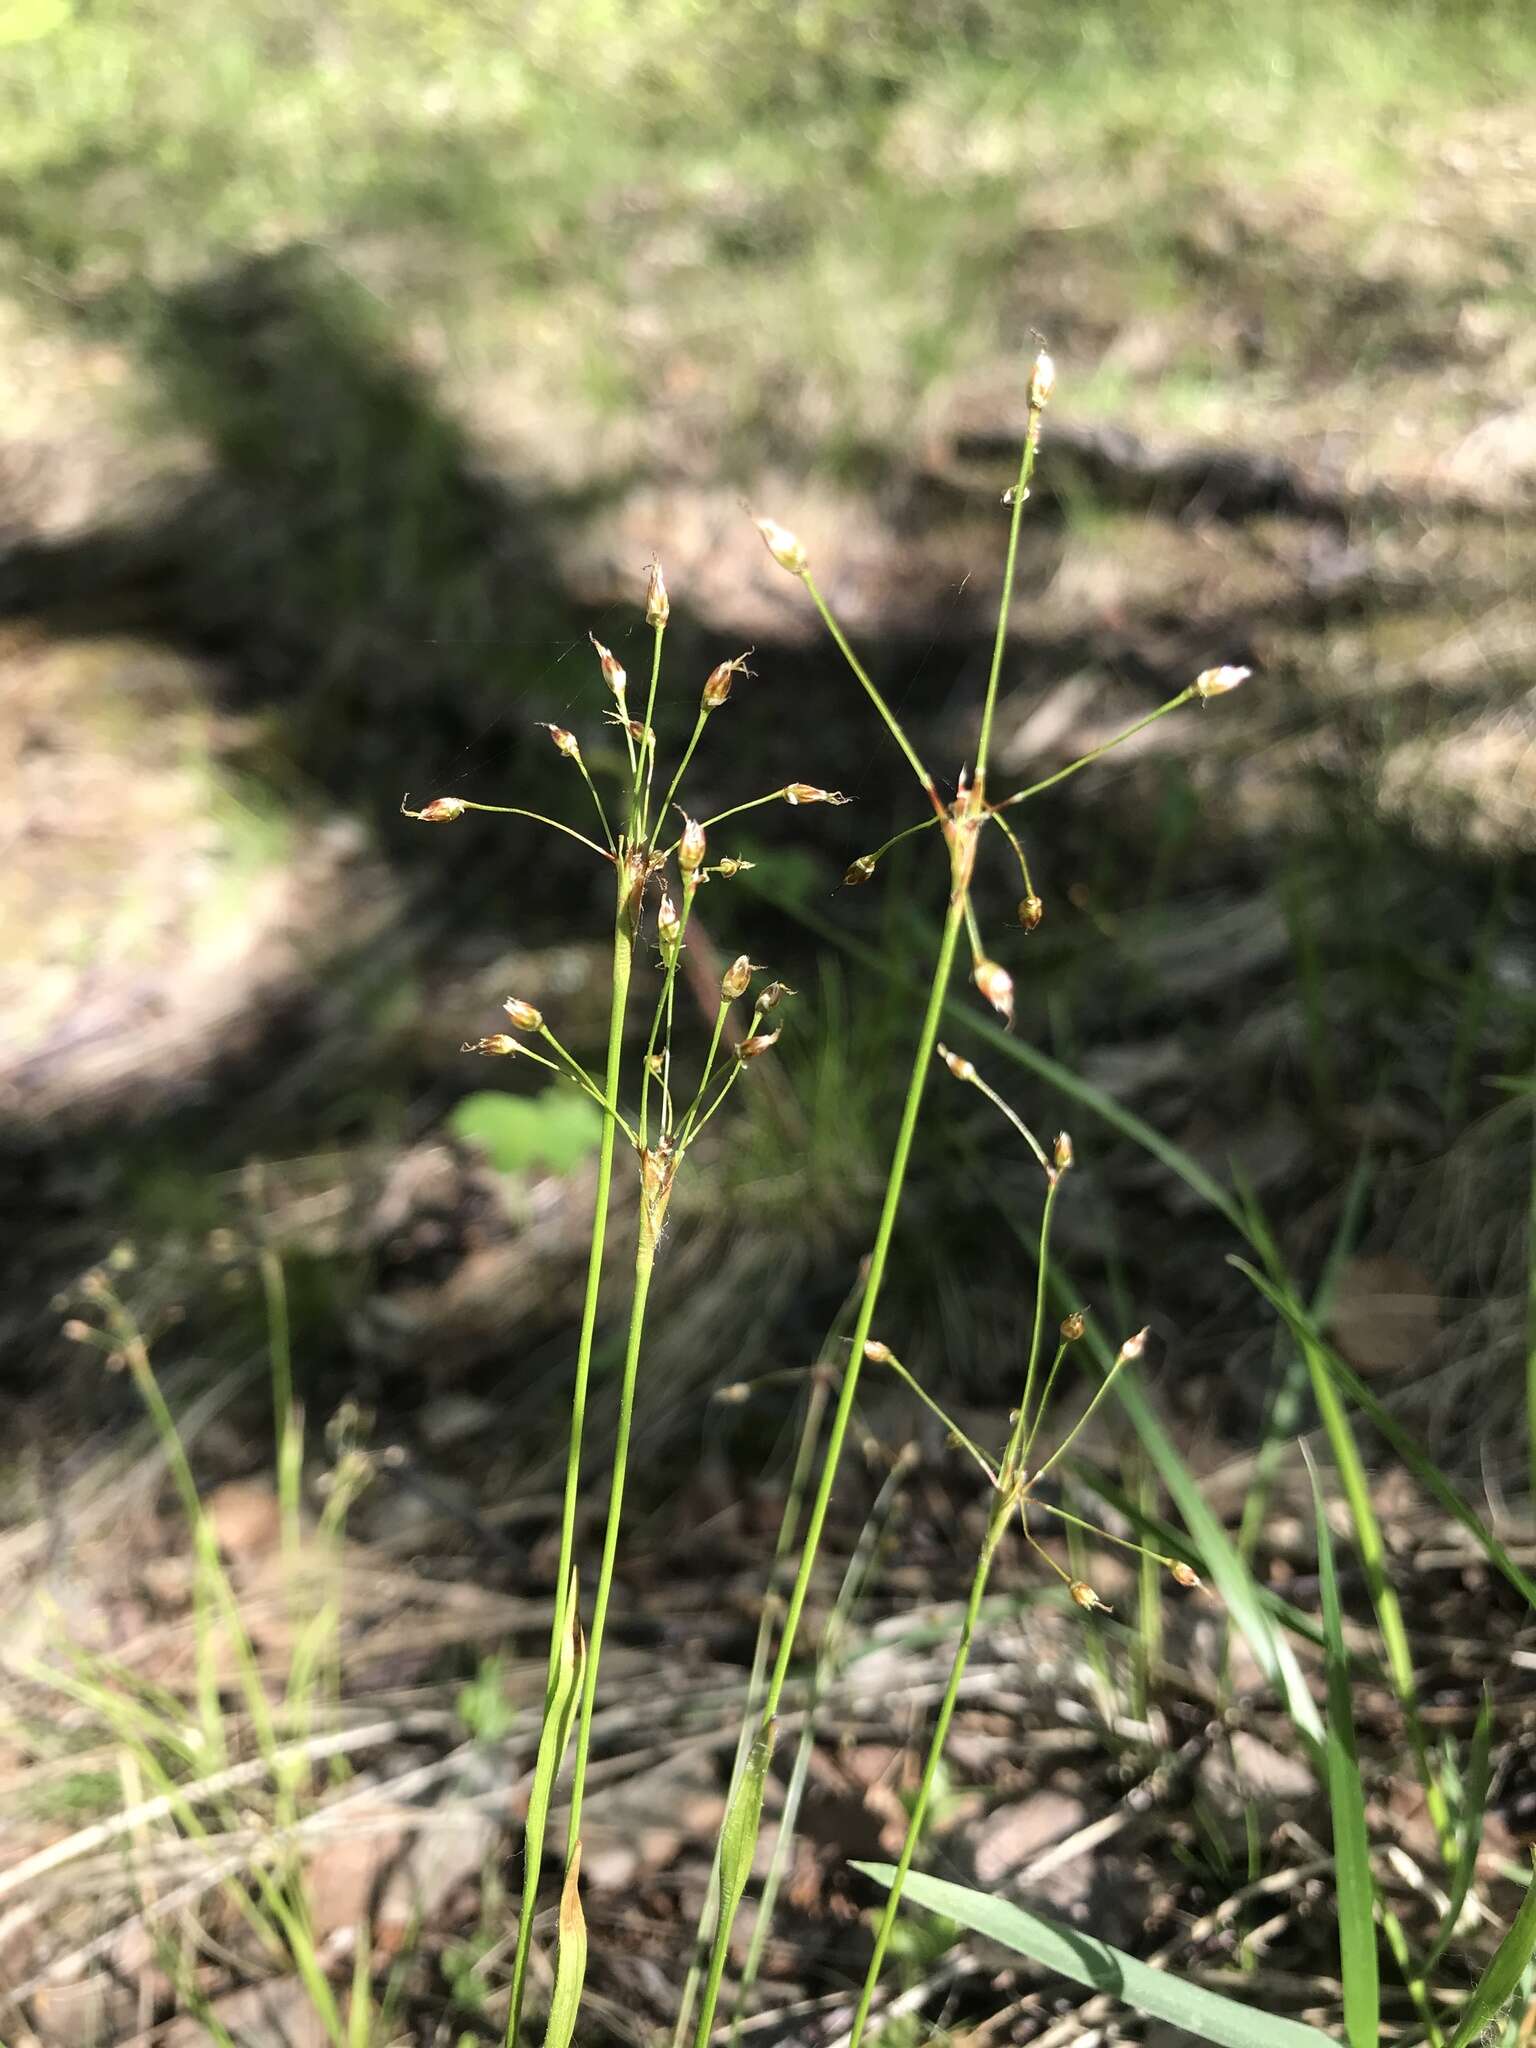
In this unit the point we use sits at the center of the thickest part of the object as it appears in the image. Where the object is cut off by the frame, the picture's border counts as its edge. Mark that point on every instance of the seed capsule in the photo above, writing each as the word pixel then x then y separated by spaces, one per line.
pixel 613 672
pixel 1086 1597
pixel 773 995
pixel 1215 682
pixel 732 866
pixel 669 927
pixel 1061 1152
pixel 962 1068
pixel 860 872
pixel 1133 1347
pixel 717 684
pixel 996 984
pixel 1031 910
pixel 1184 1574
pixel 690 848
pixel 878 1353
pixel 807 793
pixel 441 811
pixel 524 1016
pixel 784 547
pixel 498 1046
pixel 658 607
pixel 754 1047
pixel 564 741
pixel 1042 382
pixel 1073 1326
pixel 737 978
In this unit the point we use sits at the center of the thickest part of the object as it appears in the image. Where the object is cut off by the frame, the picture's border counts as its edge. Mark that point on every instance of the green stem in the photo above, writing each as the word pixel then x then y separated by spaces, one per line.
pixel 538 817
pixel 623 962
pixel 995 1528
pixel 1042 1271
pixel 892 723
pixel 645 1262
pixel 682 767
pixel 1005 602
pixel 648 744
pixel 1097 753
pixel 895 1184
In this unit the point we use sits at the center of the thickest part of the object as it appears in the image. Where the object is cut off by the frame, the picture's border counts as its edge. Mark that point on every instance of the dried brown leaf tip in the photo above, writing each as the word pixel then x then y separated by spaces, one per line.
pixel 497 1046
pixel 717 684
pixel 441 811
pixel 1087 1599
pixel 1215 682
pixel 564 741
pixel 658 606
pixel 996 984
pixel 808 793
pixel 523 1015
pixel 784 546
pixel 860 871
pixel 1031 910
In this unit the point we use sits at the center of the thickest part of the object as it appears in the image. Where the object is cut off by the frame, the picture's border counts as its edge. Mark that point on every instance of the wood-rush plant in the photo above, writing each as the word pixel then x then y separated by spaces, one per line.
pixel 660 1129
pixel 961 823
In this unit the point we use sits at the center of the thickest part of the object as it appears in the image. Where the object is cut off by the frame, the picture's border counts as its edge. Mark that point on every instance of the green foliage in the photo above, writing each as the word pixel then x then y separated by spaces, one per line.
pixel 484 1708
pixel 556 1129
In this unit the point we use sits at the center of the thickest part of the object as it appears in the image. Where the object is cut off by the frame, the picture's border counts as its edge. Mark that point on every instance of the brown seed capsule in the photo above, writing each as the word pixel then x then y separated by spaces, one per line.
pixel 690 848
pixel 717 684
pixel 657 1062
pixel 1031 910
pixel 737 978
pixel 564 741
pixel 441 811
pixel 1086 1597
pixel 1062 1154
pixel 860 871
pixel 732 866
pixel 1073 1326
pixel 498 1045
pixel 962 1068
pixel 754 1047
pixel 1215 682
pixel 524 1016
pixel 1042 382
pixel 773 995
pixel 878 1353
pixel 658 608
pixel 669 926
pixel 1184 1574
pixel 996 984
pixel 613 673
pixel 783 546
pixel 807 793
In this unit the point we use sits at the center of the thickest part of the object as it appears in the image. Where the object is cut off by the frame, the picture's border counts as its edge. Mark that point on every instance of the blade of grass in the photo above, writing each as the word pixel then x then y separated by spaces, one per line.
pixel 1356 1889
pixel 1085 1960
pixel 1474 1804
pixel 1501 1979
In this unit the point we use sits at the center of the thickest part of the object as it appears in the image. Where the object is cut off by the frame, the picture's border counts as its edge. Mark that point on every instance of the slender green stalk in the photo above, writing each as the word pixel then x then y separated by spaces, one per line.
pixel 538 817
pixel 1005 602
pixel 623 963
pixel 892 723
pixel 1021 796
pixel 652 1212
pixel 682 767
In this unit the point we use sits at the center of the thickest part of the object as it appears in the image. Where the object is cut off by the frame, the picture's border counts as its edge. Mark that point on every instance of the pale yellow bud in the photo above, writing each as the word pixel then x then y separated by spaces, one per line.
pixel 1184 1574
pixel 717 684
pixel 807 793
pixel 1133 1347
pixel 1086 1597
pixel 1031 910
pixel 860 871
pixel 996 984
pixel 669 926
pixel 690 848
pixel 498 1046
pixel 1215 682
pixel 1061 1152
pixel 962 1068
pixel 1042 382
pixel 784 547
pixel 732 866
pixel 878 1353
pixel 658 608
pixel 523 1015
pixel 737 978
pixel 441 811
pixel 613 672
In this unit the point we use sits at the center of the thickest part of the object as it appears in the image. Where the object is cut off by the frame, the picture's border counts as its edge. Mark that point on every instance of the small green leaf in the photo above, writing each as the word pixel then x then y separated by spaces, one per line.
pixel 1501 1979
pixel 1356 1889
pixel 556 1129
pixel 570 1960
pixel 1095 1964
pixel 738 1838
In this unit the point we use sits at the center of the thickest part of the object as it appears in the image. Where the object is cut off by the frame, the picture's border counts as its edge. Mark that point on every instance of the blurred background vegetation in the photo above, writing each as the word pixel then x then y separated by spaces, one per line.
pixel 353 360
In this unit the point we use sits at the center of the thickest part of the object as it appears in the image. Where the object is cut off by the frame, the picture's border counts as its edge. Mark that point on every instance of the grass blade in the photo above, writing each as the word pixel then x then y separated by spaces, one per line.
pixel 1358 1962
pixel 571 1961
pixel 1474 1805
pixel 1085 1960
pixel 559 1712
pixel 1501 1979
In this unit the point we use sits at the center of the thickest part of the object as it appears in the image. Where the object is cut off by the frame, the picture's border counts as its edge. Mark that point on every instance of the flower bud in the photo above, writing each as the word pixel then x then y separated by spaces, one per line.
pixel 996 984
pixel 962 1068
pixel 717 684
pixel 1073 1326
pixel 754 1047
pixel 860 872
pixel 732 866
pixel 669 926
pixel 690 848
pixel 1184 1574
pixel 1062 1154
pixel 524 1016
pixel 783 546
pixel 498 1045
pixel 737 978
pixel 1215 682
pixel 441 811
pixel 1086 1597
pixel 1133 1347
pixel 773 995
pixel 1031 910
pixel 1042 382
pixel 658 607
pixel 564 741
pixel 657 1062
pixel 613 674
pixel 807 793
pixel 878 1353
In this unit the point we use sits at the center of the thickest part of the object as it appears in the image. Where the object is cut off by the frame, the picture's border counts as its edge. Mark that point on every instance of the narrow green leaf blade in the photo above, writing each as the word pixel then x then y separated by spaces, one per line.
pixel 1087 1961
pixel 1502 1977
pixel 738 1837
pixel 1474 1805
pixel 1358 1961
